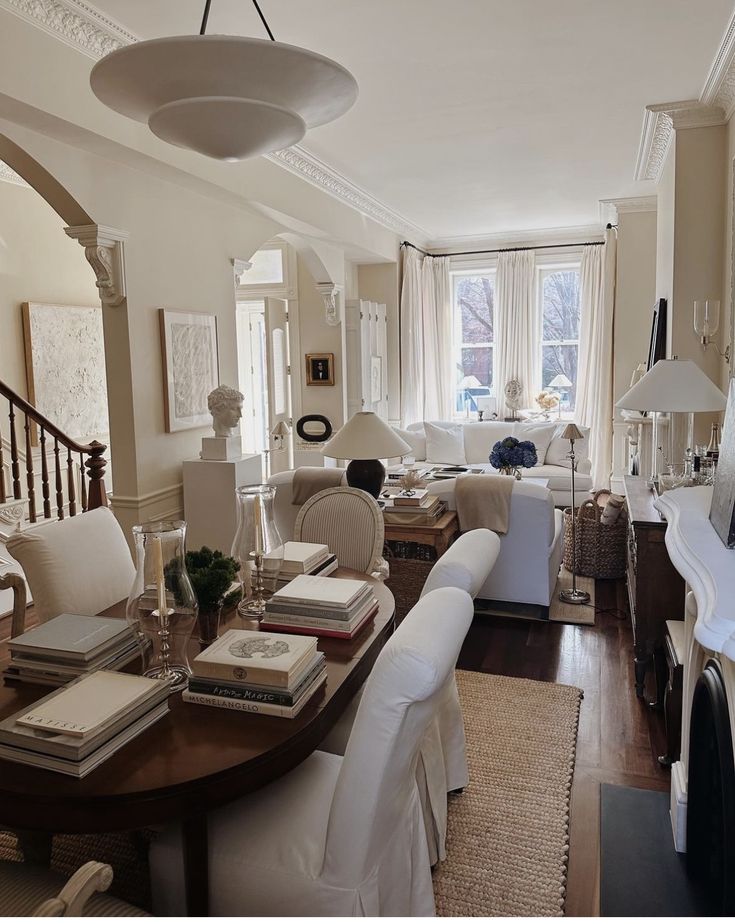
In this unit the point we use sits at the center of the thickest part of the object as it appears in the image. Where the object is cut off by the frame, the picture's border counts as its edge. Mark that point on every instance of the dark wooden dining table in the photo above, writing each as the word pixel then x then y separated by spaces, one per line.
pixel 193 760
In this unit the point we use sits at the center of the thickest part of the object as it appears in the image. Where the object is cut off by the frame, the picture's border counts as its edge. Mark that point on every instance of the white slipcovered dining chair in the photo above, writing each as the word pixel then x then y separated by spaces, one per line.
pixel 350 522
pixel 443 766
pixel 339 835
pixel 79 565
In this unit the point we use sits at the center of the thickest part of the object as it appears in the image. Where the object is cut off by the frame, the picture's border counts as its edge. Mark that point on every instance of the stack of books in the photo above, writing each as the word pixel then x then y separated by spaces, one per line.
pixel 294 558
pixel 260 672
pixel 417 509
pixel 75 729
pixel 333 607
pixel 70 646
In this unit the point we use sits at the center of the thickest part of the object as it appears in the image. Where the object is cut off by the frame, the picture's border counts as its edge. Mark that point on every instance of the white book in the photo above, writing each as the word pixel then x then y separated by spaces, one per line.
pixel 83 707
pixel 297 557
pixel 267 658
pixel 311 588
pixel 72 638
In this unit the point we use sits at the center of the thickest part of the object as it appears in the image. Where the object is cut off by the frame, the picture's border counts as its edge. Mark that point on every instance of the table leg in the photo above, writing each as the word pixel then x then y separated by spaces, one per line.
pixel 196 865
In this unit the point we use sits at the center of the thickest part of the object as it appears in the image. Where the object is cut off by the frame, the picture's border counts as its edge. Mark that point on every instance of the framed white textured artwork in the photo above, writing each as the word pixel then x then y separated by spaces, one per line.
pixel 190 367
pixel 65 367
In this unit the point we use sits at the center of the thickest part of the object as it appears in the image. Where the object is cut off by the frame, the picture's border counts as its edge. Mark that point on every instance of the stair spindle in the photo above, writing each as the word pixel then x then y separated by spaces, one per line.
pixel 3 494
pixel 44 477
pixel 71 489
pixel 83 476
pixel 58 482
pixel 30 476
pixel 14 463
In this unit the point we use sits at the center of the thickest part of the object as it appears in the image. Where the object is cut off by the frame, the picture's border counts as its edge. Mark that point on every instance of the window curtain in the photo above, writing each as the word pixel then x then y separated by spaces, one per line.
pixel 595 381
pixel 516 337
pixel 427 383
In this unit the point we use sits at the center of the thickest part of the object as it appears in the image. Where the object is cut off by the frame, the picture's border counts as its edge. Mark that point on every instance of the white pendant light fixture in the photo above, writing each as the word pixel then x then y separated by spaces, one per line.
pixel 226 96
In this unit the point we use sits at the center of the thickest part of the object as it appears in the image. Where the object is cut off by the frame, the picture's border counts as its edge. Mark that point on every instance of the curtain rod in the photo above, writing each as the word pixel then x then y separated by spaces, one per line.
pixel 470 253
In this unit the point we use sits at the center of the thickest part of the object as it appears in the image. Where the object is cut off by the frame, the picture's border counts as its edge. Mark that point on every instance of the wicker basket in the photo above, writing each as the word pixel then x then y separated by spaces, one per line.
pixel 601 549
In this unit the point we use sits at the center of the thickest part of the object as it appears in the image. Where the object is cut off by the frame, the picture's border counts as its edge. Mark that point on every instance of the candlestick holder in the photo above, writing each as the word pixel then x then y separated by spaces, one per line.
pixel 256 545
pixel 162 607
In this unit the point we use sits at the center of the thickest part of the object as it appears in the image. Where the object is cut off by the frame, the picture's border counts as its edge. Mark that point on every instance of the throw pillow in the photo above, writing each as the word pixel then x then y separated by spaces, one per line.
pixel 416 439
pixel 540 435
pixel 558 449
pixel 445 444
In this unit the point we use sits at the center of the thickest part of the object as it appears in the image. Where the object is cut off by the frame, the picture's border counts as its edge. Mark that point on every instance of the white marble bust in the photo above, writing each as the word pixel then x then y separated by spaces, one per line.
pixel 225 406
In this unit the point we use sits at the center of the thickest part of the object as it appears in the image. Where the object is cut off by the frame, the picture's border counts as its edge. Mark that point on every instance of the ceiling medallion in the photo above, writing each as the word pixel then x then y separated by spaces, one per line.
pixel 226 96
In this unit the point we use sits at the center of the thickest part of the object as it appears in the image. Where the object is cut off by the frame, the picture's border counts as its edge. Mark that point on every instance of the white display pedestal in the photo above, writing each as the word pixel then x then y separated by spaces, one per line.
pixel 209 498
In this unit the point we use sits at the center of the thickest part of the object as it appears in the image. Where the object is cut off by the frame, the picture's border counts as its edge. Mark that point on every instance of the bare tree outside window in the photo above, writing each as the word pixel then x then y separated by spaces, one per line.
pixel 560 330
pixel 473 337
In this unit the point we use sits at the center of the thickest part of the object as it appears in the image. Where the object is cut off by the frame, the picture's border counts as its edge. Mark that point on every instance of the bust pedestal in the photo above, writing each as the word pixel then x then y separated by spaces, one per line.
pixel 221 448
pixel 209 498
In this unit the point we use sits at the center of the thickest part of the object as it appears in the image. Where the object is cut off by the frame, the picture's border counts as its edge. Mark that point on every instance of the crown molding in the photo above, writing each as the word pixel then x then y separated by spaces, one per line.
pixel 719 87
pixel 78 24
pixel 8 175
pixel 659 122
pixel 611 208
pixel 298 160
pixel 539 237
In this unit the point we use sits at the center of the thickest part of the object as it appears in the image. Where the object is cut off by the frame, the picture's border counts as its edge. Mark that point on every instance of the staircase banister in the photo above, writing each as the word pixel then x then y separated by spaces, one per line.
pixel 38 417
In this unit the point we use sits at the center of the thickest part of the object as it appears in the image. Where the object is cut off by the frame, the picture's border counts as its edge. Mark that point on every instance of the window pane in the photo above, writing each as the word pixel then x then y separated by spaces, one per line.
pixel 474 300
pixel 561 360
pixel 267 268
pixel 474 376
pixel 561 305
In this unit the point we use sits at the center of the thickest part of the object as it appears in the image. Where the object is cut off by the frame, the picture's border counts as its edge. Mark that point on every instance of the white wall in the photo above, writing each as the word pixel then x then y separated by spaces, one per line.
pixel 378 282
pixel 38 263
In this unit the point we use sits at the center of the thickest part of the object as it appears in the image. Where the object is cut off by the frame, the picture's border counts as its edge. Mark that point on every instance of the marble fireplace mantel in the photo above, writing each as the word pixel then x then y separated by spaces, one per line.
pixel 707 566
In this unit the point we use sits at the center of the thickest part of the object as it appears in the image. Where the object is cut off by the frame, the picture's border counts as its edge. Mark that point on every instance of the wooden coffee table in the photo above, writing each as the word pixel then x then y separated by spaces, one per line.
pixel 193 760
pixel 439 536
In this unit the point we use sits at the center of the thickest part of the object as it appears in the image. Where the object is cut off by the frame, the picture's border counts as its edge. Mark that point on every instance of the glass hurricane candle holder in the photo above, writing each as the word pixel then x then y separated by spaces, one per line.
pixel 256 538
pixel 162 606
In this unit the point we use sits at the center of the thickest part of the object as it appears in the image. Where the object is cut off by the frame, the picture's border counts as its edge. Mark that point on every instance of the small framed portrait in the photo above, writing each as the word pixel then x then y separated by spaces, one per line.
pixel 320 368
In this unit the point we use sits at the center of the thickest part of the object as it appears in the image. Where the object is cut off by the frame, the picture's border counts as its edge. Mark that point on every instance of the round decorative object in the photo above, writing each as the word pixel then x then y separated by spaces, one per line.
pixel 314 428
pixel 225 96
pixel 514 394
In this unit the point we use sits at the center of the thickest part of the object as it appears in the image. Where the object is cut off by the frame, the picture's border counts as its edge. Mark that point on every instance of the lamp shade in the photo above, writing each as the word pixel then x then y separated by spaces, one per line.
pixel 572 432
pixel 366 436
pixel 560 381
pixel 674 385
pixel 281 429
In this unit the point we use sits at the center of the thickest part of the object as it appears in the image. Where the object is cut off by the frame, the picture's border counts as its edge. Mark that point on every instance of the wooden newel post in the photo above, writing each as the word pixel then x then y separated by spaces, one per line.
pixel 95 466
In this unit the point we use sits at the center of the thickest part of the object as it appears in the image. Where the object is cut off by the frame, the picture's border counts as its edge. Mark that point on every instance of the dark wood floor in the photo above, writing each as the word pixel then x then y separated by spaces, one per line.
pixel 619 735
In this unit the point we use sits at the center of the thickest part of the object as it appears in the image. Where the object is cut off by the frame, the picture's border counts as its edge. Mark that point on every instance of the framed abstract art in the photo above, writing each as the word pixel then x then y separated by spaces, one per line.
pixel 190 367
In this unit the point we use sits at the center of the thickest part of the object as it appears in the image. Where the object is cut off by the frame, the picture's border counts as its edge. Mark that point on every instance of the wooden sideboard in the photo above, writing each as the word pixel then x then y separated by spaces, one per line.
pixel 655 588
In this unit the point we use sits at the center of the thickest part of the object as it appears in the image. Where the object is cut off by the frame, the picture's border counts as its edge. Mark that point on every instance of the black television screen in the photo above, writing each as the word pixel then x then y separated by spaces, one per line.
pixel 657 346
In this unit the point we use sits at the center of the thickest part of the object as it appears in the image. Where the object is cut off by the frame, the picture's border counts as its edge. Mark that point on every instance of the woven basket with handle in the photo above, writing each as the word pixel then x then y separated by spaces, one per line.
pixel 600 548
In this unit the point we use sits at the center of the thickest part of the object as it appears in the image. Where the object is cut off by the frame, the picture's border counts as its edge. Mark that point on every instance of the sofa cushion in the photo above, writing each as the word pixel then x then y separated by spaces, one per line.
pixel 416 439
pixel 479 438
pixel 559 478
pixel 540 434
pixel 445 444
pixel 558 449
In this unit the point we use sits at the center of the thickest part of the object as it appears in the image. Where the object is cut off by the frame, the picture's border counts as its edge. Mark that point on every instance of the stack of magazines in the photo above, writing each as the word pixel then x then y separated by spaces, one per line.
pixel 415 508
pixel 75 729
pixel 259 672
pixel 294 558
pixel 70 646
pixel 335 607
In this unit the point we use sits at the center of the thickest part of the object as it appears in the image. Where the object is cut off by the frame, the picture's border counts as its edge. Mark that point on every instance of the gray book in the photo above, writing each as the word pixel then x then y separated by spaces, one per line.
pixel 72 639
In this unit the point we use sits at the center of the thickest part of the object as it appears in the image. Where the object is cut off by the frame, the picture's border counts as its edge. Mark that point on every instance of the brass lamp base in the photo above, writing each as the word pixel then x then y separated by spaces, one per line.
pixel 572 595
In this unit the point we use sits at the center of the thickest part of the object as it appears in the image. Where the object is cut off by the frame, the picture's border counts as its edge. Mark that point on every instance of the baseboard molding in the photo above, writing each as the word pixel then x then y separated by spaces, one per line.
pixel 162 504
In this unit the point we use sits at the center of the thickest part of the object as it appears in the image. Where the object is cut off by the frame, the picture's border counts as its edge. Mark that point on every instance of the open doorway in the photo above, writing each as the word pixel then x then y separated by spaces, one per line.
pixel 253 374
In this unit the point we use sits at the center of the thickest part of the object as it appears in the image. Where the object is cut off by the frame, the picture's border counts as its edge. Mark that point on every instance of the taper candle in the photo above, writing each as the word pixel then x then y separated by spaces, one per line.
pixel 157 559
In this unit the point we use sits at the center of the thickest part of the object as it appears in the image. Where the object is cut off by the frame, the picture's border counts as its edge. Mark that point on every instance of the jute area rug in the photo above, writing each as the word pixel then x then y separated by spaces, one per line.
pixel 507 837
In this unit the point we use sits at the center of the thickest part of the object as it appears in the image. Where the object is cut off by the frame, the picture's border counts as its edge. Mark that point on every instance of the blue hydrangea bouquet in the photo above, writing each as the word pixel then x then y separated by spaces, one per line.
pixel 510 455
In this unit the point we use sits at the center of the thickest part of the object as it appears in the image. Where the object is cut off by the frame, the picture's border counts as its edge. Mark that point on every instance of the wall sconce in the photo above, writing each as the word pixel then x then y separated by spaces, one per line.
pixel 707 323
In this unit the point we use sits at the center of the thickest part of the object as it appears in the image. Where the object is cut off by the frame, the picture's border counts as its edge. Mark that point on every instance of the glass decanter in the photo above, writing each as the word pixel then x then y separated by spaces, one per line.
pixel 162 606
pixel 256 538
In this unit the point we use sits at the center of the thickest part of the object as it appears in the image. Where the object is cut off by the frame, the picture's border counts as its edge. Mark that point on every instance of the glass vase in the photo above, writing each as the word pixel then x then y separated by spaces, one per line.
pixel 256 538
pixel 162 606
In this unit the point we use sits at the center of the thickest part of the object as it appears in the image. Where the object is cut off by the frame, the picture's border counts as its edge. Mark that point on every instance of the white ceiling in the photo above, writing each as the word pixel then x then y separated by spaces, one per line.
pixel 480 117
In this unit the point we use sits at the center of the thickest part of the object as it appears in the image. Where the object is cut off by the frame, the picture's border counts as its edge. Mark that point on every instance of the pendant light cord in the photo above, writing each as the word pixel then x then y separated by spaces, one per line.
pixel 205 17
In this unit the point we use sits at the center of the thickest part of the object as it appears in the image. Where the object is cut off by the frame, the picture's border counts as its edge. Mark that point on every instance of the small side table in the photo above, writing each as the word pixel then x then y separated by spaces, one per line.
pixel 439 536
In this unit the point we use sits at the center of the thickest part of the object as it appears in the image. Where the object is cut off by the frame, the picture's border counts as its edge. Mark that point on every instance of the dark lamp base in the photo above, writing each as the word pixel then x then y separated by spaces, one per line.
pixel 367 475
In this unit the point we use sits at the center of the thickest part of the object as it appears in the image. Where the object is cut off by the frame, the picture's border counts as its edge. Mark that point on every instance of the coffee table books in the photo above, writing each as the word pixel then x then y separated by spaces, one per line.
pixel 70 646
pixel 75 729
pixel 294 558
pixel 332 607
pixel 257 672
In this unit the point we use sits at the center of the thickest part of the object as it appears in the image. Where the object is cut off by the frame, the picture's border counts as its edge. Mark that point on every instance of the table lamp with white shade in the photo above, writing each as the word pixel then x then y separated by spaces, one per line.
pixel 673 386
pixel 560 382
pixel 366 439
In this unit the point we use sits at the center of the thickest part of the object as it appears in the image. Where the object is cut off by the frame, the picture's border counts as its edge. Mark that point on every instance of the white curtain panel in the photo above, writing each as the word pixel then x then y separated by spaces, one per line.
pixel 427 383
pixel 595 380
pixel 516 324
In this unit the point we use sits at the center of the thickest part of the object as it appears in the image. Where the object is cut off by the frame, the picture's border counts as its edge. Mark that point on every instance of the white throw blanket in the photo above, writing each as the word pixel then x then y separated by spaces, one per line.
pixel 483 502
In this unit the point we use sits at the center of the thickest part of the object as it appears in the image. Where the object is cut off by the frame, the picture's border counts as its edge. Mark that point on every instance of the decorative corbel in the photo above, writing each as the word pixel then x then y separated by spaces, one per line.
pixel 103 248
pixel 241 267
pixel 332 295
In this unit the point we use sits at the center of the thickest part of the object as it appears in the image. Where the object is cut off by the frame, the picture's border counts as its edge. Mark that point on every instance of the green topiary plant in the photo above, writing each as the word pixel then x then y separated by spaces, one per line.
pixel 211 574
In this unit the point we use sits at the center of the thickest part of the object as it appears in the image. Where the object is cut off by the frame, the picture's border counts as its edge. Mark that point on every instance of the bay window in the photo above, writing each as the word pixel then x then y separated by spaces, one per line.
pixel 558 291
pixel 474 337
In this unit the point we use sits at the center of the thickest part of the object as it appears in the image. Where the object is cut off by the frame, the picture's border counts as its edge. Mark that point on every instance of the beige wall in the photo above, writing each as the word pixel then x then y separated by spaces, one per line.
pixel 378 282
pixel 635 294
pixel 38 263
pixel 727 333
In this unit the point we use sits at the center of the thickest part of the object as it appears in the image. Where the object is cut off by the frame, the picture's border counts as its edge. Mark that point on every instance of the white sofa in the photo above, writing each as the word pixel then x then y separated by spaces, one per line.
pixel 476 439
pixel 530 552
